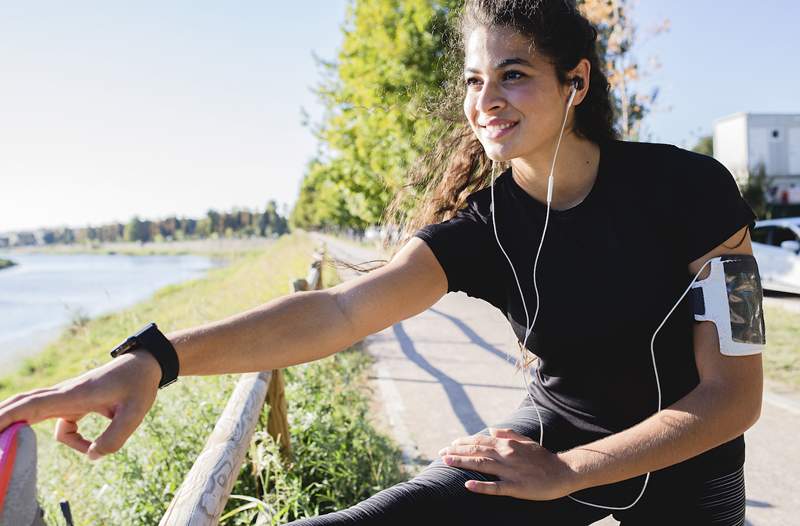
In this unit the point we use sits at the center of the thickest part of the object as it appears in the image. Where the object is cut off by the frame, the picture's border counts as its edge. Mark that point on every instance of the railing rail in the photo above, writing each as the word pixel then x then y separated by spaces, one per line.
pixel 202 496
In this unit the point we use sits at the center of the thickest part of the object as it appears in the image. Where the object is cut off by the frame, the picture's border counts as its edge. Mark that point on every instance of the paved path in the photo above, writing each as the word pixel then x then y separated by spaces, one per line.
pixel 448 372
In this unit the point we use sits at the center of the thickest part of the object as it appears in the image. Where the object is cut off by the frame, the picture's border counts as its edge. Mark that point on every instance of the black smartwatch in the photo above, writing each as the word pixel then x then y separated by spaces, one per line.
pixel 152 340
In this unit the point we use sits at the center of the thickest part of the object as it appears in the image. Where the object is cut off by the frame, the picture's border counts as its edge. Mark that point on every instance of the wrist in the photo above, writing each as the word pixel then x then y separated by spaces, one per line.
pixel 154 342
pixel 575 477
pixel 150 368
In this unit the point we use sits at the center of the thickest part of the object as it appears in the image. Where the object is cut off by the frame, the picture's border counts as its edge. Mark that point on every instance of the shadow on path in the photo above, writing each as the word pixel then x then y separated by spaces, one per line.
pixel 476 339
pixel 460 402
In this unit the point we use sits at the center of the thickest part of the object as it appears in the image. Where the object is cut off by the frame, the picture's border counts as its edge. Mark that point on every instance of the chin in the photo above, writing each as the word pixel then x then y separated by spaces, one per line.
pixel 498 153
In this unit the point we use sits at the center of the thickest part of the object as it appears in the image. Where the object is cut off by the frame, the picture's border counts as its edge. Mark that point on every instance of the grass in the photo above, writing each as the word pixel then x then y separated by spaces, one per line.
pixel 340 459
pixel 782 357
pixel 5 263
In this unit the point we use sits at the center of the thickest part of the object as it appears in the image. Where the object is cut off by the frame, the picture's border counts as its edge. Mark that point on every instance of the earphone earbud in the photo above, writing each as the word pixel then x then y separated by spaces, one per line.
pixel 577 83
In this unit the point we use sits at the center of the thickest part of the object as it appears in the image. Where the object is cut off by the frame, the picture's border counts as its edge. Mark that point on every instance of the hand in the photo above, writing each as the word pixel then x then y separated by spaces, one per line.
pixel 123 390
pixel 526 470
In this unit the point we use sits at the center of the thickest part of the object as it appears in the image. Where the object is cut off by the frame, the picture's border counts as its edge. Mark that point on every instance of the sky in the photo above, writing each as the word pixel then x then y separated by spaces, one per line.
pixel 111 109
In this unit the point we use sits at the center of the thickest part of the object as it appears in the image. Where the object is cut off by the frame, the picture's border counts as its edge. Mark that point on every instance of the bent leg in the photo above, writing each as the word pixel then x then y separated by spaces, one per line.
pixel 438 495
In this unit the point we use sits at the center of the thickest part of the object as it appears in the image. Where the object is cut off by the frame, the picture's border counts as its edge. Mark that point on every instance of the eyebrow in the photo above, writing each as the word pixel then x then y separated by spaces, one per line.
pixel 505 63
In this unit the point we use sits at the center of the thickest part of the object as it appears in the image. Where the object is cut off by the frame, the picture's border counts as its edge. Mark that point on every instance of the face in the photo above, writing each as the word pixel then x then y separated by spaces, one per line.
pixel 514 102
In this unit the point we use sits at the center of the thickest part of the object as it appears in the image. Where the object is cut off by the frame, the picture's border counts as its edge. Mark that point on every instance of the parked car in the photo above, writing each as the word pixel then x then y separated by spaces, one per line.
pixel 776 246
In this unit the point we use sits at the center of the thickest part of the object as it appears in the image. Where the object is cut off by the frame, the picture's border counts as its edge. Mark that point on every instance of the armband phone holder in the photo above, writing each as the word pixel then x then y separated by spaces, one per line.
pixel 731 297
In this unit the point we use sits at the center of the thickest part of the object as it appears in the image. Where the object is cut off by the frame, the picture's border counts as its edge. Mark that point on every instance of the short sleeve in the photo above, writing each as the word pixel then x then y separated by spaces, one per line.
pixel 714 207
pixel 467 254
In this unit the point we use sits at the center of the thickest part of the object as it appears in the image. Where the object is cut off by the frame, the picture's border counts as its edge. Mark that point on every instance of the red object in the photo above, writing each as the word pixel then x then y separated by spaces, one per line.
pixel 8 452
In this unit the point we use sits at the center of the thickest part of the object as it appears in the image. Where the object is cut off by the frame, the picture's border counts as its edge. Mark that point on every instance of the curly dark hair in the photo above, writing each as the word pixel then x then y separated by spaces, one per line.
pixel 440 180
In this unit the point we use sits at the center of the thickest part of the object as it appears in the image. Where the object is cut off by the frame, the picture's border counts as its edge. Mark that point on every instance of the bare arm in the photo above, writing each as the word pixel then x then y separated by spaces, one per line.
pixel 293 329
pixel 307 326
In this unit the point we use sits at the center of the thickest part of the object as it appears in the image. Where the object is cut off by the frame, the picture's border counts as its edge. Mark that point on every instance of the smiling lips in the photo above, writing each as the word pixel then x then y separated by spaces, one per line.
pixel 497 128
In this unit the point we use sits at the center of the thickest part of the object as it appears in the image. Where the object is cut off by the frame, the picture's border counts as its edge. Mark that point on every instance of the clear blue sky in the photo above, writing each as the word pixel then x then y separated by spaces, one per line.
pixel 110 109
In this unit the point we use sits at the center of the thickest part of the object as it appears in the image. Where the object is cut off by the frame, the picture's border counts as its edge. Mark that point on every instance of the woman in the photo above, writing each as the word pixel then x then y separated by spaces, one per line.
pixel 627 224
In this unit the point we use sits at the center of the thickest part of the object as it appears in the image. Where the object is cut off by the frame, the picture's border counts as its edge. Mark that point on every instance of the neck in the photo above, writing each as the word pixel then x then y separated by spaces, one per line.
pixel 573 177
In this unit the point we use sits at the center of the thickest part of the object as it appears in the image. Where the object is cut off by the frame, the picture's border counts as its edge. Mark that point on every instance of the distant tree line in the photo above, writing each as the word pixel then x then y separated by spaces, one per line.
pixel 236 223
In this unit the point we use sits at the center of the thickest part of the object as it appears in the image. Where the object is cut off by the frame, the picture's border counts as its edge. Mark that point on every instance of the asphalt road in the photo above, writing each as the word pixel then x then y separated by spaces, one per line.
pixel 448 372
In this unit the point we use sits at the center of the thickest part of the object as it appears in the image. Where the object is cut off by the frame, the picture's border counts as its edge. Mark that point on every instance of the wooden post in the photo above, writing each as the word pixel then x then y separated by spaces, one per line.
pixel 204 493
pixel 201 498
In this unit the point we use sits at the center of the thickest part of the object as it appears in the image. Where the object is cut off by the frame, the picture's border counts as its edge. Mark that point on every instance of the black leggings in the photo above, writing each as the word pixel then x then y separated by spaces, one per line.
pixel 680 494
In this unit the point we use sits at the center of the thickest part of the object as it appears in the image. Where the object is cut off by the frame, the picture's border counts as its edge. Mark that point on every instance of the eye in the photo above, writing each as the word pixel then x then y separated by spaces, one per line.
pixel 513 75
pixel 471 81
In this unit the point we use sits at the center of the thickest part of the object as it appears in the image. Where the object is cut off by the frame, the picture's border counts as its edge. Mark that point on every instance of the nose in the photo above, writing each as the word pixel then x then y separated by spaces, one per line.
pixel 490 98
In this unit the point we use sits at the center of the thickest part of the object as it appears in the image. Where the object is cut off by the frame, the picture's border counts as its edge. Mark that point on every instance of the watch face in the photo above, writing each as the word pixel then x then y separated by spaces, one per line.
pixel 124 347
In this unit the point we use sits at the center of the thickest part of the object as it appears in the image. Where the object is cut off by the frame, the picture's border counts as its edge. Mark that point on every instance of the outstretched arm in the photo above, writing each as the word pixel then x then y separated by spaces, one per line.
pixel 289 330
pixel 307 326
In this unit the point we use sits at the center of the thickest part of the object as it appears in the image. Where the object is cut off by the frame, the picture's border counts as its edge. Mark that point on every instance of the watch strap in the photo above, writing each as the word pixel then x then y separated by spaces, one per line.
pixel 152 340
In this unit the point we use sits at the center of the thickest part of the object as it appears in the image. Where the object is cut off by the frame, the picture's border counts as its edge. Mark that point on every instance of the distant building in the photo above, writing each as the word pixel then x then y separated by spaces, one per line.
pixel 743 142
pixel 20 239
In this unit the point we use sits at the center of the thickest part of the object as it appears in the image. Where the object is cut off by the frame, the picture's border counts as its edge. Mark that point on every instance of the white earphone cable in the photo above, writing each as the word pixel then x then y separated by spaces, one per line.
pixel 530 324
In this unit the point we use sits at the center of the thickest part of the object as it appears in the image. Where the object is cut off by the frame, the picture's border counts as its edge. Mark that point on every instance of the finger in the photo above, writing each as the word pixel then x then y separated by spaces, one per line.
pixel 482 464
pixel 508 433
pixel 469 450
pixel 474 439
pixel 13 399
pixel 67 433
pixel 35 406
pixel 124 422
pixel 500 487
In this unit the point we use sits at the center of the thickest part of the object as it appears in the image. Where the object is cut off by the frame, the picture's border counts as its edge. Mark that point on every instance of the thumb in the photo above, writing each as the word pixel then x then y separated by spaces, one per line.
pixel 123 423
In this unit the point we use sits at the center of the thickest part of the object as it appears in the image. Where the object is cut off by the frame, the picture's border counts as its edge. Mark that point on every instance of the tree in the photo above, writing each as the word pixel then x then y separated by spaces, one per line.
pixel 393 61
pixel 390 64
pixel 705 145
pixel 616 41
pixel 755 191
pixel 138 230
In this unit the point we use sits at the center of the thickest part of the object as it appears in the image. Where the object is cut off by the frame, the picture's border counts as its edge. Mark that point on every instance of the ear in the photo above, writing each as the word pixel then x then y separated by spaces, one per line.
pixel 582 70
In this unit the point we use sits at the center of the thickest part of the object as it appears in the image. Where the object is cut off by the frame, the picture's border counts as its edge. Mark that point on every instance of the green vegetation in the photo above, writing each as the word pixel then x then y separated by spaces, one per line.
pixel 391 63
pixel 384 99
pixel 782 357
pixel 339 458
pixel 6 263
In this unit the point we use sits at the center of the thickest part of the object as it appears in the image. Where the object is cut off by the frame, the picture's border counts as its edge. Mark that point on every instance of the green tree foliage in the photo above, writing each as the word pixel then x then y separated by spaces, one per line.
pixel 237 223
pixel 390 64
pixel 393 60
pixel 138 230
pixel 705 145
pixel 755 191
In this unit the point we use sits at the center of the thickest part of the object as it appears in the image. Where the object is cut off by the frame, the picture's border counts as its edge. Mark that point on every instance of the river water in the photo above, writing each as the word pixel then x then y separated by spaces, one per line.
pixel 44 292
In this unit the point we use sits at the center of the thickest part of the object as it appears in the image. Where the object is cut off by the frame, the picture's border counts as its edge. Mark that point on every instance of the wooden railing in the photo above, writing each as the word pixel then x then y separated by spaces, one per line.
pixel 204 493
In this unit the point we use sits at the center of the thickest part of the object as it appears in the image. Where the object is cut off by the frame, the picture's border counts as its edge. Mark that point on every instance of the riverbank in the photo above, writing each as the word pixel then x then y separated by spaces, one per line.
pixel 223 247
pixel 331 433
pixel 46 293
pixel 81 347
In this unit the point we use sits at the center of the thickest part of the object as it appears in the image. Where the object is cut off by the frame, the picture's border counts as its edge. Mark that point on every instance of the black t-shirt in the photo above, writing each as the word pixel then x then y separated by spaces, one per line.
pixel 610 270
